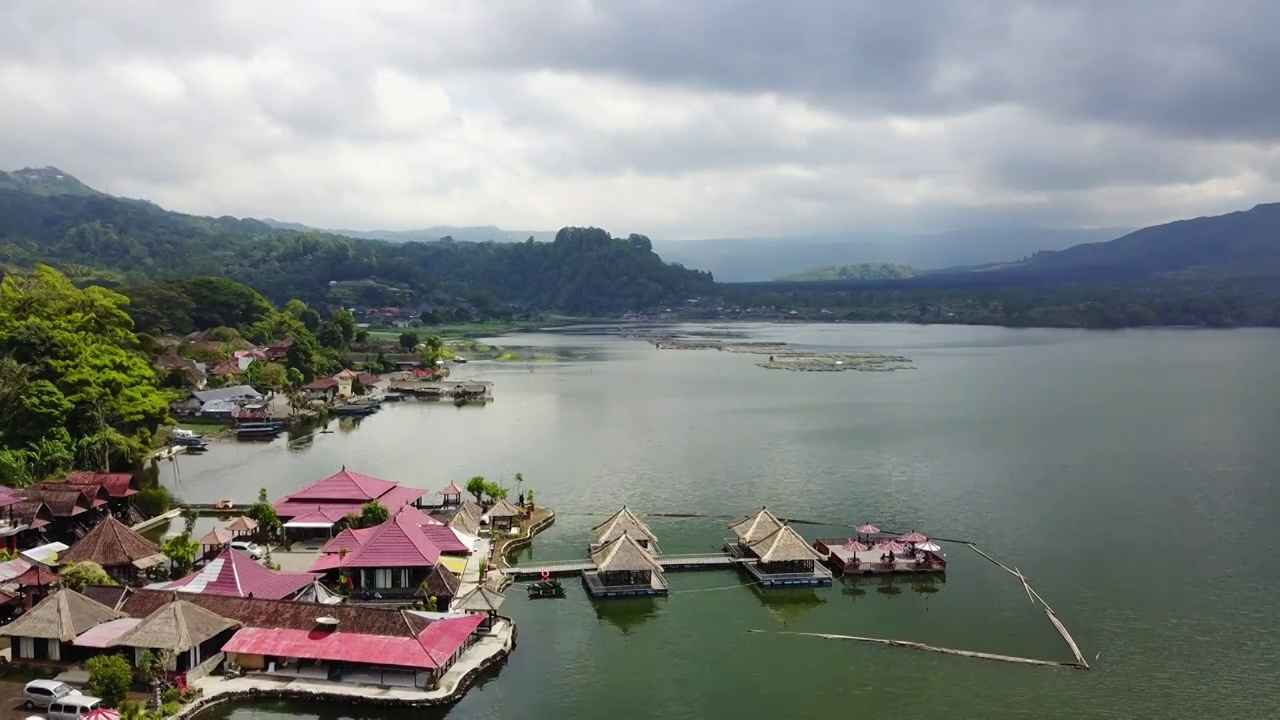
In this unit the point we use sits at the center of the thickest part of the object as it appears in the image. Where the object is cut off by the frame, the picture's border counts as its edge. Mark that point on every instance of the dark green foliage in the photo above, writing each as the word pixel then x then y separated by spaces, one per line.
pixel 861 271
pixel 408 340
pixel 583 271
pixel 110 677
pixel 153 501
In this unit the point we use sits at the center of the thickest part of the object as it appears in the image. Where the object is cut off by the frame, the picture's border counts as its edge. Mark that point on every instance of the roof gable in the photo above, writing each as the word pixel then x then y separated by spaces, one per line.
pixel 110 544
pixel 624 522
pixel 504 508
pixel 60 616
pixel 177 626
pixel 398 542
pixel 755 526
pixel 782 545
pixel 344 485
pixel 117 484
pixel 236 574
pixel 624 554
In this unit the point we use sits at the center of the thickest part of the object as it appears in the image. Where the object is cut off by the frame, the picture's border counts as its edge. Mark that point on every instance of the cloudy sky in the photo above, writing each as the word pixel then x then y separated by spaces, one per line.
pixel 676 118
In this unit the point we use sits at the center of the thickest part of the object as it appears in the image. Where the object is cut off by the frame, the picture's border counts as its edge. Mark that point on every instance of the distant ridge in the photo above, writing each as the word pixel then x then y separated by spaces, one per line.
pixel 482 233
pixel 47 181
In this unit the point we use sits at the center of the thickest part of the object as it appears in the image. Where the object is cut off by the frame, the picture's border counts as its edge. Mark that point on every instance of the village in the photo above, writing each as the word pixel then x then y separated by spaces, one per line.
pixel 351 587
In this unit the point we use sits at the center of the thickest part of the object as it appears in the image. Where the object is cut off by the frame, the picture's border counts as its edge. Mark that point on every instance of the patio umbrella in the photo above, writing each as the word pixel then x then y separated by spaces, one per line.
pixel 913 537
pixel 101 714
pixel 929 547
pixel 892 546
pixel 868 529
pixel 855 546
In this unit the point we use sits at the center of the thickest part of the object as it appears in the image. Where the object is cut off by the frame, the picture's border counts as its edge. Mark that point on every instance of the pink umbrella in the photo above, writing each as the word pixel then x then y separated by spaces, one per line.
pixel 855 546
pixel 929 547
pixel 101 714
pixel 913 537
pixel 868 529
pixel 892 546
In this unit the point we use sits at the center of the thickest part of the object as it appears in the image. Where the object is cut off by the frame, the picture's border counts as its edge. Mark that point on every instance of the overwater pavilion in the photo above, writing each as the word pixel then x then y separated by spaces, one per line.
pixel 624 569
pixel 625 522
pixel 783 557
pixel 749 529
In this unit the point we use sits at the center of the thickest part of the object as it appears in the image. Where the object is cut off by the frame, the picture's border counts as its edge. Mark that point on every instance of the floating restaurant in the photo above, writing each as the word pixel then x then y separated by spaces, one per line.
pixel 623 569
pixel 774 553
pixel 625 522
pixel 911 553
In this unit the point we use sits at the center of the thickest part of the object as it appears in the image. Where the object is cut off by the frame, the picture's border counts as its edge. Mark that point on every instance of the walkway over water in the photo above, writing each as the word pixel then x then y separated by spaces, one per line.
pixel 701 561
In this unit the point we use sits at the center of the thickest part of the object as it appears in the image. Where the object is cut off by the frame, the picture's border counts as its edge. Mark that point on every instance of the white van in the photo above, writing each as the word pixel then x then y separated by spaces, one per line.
pixel 73 707
pixel 41 693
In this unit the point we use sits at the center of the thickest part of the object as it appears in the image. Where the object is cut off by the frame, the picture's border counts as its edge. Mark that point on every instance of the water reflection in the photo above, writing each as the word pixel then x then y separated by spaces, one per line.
pixel 626 614
pixel 788 604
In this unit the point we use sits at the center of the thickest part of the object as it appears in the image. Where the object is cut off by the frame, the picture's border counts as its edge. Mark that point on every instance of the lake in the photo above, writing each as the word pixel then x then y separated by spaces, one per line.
pixel 1131 476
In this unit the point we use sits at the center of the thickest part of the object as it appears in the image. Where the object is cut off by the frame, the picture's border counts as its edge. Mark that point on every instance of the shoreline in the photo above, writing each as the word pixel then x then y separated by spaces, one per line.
pixel 219 690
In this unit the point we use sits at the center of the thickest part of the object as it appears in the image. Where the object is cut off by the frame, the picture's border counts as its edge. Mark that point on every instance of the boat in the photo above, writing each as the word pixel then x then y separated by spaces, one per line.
pixel 258 431
pixel 353 410
pixel 546 588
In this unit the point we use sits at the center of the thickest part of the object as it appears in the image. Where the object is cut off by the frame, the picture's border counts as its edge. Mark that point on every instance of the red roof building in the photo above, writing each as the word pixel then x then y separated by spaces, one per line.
pixel 118 485
pixel 279 350
pixel 393 558
pixel 346 492
pixel 236 574
pixel 230 368
pixel 435 648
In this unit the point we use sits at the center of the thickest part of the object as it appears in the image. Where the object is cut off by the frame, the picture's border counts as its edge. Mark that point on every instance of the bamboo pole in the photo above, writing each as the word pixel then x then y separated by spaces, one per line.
pixel 930 648
pixel 1025 586
pixel 1062 630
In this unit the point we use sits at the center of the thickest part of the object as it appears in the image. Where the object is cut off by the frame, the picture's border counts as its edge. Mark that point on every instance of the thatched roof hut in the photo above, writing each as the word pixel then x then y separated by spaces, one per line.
pixel 112 544
pixel 61 616
pixel 624 554
pixel 467 518
pixel 783 545
pixel 177 626
pixel 440 583
pixel 624 522
pixel 755 526
pixel 243 524
pixel 482 599
pixel 504 509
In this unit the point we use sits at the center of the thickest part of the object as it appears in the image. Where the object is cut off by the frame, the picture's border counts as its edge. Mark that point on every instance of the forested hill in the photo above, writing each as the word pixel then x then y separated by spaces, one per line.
pixel 115 241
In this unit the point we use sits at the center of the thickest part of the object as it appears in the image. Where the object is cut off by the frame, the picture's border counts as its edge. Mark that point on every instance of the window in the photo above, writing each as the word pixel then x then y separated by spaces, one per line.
pixel 382 578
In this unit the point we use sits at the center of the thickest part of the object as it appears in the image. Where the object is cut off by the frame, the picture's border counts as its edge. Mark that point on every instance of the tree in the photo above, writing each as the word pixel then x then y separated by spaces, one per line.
pixel 330 335
pixel 263 513
pixel 90 394
pixel 495 491
pixel 477 487
pixel 345 321
pixel 182 549
pixel 373 513
pixel 266 376
pixel 357 387
pixel 79 575
pixel 432 350
pixel 408 340
pixel 110 677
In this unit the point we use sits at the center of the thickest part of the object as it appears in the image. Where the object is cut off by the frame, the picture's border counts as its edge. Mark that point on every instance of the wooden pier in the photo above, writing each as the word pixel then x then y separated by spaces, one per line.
pixel 699 561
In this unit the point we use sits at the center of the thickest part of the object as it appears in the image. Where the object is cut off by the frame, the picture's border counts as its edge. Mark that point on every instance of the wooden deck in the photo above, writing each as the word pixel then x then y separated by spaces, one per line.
pixel 597 589
pixel 869 563
pixel 700 561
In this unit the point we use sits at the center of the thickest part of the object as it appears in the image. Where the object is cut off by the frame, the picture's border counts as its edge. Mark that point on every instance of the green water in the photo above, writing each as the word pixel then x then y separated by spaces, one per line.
pixel 1130 476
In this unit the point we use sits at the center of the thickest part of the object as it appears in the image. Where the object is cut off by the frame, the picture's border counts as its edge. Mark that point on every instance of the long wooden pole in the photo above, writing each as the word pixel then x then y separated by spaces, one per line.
pixel 1048 611
pixel 930 648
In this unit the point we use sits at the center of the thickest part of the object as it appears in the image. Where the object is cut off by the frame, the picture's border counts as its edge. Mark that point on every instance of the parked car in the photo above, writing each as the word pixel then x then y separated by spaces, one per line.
pixel 253 550
pixel 74 707
pixel 42 693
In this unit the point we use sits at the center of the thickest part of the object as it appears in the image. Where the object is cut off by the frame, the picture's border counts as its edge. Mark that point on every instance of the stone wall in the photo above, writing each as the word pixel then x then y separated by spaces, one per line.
pixel 205 668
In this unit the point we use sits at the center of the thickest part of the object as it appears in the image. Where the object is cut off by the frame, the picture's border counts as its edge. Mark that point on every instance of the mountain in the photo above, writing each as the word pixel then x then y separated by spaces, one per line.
pixel 1238 244
pixel 749 259
pixel 110 240
pixel 485 233
pixel 44 181
pixel 863 271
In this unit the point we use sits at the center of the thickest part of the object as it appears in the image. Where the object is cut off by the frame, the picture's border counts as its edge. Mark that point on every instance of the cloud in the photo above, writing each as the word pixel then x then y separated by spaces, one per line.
pixel 676 119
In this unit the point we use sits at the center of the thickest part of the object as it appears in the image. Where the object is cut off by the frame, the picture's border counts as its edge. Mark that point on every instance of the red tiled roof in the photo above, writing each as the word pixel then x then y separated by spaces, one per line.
pixel 367 380
pixel 93 493
pixel 37 576
pixel 344 485
pixel 330 514
pixel 63 503
pixel 397 543
pixel 118 485
pixel 452 489
pixel 327 562
pixel 227 368
pixel 321 384
pixel 442 638
pixel 10 496
pixel 400 496
pixel 443 537
pixel 236 574
pixel 332 646
pixel 349 538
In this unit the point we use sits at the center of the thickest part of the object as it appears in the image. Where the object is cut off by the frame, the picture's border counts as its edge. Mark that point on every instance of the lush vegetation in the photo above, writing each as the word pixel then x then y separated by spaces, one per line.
pixel 482 489
pixel 861 271
pixel 79 575
pixel 108 240
pixel 1189 304
pixel 77 389
pixel 110 677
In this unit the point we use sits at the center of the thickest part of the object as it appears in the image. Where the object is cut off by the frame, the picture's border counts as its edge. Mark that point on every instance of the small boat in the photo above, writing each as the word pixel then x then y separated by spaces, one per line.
pixel 258 431
pixel 546 588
